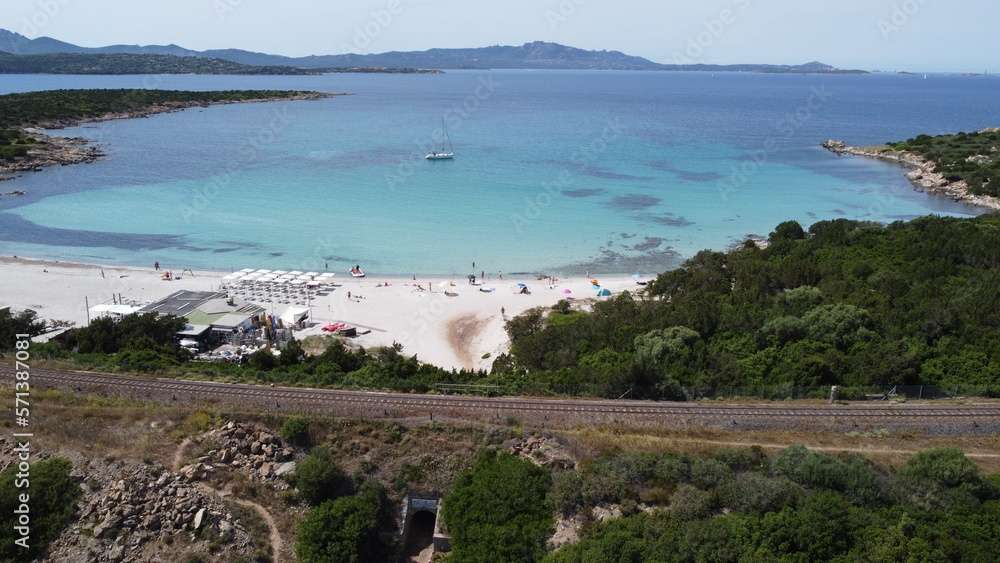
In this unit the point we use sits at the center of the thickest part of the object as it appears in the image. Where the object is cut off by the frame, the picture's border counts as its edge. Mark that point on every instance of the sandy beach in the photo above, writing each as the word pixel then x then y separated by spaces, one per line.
pixel 450 331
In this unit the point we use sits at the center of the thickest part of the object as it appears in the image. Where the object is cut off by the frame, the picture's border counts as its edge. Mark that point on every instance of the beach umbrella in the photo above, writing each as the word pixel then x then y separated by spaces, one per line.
pixel 567 291
pixel 595 287
pixel 594 282
pixel 521 285
pixel 445 284
pixel 471 276
pixel 636 275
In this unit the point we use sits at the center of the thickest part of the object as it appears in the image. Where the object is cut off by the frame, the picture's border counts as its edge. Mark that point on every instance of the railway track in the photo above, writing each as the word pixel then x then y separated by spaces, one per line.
pixel 967 419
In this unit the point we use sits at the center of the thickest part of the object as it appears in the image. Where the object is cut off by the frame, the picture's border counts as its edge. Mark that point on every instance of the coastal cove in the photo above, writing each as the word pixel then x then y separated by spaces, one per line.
pixel 562 172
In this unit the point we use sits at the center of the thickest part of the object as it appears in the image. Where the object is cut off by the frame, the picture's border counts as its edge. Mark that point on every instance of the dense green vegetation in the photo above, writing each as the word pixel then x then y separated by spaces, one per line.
pixel 13 324
pixel 318 478
pixel 136 342
pixel 847 303
pixel 972 157
pixel 54 106
pixel 14 144
pixel 346 530
pixel 496 510
pixel 119 63
pixel 53 495
pixel 801 505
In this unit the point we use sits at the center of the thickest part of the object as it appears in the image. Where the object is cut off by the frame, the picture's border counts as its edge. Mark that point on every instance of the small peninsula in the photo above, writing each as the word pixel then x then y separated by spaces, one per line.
pixel 964 167
pixel 23 116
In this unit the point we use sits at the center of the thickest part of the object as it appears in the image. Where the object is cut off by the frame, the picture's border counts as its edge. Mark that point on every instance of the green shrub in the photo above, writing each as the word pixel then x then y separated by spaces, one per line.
pixel 295 431
pixel 53 495
pixel 691 503
pixel 496 511
pixel 346 529
pixel 318 477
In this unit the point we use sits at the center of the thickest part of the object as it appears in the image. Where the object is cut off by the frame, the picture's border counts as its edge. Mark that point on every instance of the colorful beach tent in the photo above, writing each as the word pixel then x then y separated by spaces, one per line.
pixel 604 292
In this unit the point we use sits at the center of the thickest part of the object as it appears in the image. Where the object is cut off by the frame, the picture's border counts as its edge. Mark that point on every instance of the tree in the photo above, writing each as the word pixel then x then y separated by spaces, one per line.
pixel 344 530
pixel 25 322
pixel 789 230
pixel 496 511
pixel 318 477
pixel 292 354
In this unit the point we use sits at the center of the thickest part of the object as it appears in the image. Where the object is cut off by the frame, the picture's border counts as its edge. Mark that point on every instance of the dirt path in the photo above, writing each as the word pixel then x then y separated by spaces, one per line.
pixel 462 335
pixel 276 542
pixel 275 537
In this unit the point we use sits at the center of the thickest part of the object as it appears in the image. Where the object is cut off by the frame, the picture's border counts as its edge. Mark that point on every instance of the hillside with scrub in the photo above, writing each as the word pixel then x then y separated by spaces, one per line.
pixel 843 302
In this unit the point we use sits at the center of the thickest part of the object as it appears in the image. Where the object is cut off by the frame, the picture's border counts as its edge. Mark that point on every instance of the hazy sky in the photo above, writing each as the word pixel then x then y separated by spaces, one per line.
pixel 914 35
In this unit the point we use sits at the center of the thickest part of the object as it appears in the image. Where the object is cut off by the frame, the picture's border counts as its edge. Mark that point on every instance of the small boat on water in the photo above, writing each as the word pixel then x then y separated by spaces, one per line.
pixel 440 155
pixel 356 272
pixel 443 155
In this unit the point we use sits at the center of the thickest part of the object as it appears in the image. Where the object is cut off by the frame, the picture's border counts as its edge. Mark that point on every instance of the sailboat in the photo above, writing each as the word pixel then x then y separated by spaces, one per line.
pixel 442 155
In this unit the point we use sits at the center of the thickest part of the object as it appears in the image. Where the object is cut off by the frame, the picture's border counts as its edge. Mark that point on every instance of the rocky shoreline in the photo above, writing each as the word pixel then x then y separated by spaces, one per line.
pixel 922 173
pixel 53 150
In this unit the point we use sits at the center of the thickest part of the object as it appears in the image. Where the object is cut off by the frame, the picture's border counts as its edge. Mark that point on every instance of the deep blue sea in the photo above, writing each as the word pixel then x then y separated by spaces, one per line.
pixel 555 171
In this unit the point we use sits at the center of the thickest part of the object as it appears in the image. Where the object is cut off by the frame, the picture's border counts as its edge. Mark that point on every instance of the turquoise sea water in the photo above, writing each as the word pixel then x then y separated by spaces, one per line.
pixel 555 171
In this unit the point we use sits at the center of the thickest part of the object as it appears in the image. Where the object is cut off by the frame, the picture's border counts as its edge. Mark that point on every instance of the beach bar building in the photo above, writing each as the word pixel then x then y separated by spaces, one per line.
pixel 212 317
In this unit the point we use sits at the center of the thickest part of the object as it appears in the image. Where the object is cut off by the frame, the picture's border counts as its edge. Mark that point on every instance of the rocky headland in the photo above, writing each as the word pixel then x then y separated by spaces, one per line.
pixel 52 150
pixel 922 175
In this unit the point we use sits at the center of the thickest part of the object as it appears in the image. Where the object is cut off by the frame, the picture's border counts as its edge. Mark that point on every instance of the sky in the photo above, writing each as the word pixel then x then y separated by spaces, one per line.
pixel 890 35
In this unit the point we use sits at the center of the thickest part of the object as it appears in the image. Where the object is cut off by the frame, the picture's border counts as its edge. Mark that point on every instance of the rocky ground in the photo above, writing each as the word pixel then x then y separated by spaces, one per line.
pixel 51 150
pixel 135 511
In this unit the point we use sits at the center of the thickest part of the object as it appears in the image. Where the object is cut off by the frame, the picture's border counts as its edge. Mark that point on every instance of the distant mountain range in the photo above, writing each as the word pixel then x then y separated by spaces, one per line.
pixel 537 55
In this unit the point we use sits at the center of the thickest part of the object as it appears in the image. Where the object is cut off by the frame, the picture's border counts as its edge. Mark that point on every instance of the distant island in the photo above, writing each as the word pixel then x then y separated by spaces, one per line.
pixel 963 166
pixel 127 63
pixel 24 148
pixel 534 55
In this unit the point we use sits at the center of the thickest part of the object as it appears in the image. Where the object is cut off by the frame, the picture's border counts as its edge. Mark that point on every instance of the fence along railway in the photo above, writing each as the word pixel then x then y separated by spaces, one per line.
pixel 959 419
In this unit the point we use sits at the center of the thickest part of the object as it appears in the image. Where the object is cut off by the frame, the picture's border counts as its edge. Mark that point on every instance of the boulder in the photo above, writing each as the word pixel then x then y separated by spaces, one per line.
pixel 284 469
pixel 109 524
pixel 151 522
pixel 199 518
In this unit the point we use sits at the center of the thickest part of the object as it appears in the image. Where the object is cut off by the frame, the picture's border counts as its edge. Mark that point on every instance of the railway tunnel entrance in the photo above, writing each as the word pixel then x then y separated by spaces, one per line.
pixel 421 535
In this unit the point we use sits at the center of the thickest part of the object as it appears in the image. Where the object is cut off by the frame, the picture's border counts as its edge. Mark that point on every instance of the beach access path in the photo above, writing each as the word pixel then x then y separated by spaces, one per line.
pixel 449 329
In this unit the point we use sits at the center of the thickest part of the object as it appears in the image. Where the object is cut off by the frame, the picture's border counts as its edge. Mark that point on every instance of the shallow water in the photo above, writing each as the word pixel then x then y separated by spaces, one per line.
pixel 555 171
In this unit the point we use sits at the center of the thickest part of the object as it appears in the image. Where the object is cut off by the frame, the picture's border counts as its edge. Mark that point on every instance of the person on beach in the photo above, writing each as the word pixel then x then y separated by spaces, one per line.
pixel 501 274
pixel 157 266
pixel 348 295
pixel 503 312
pixel 102 273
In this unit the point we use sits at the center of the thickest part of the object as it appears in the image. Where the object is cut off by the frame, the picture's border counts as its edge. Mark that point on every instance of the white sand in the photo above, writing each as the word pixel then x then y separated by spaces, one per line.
pixel 447 331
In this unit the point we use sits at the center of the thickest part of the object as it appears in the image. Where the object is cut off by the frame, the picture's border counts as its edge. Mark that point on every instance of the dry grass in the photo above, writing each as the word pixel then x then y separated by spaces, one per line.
pixel 887 449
